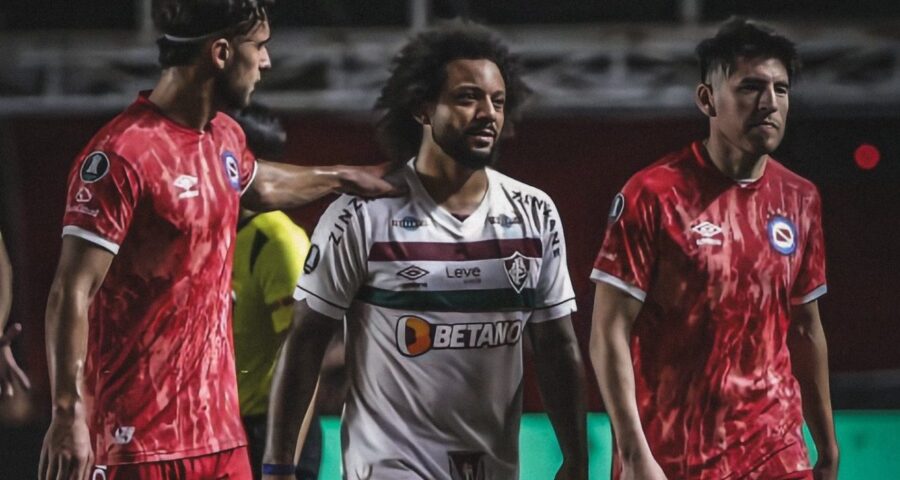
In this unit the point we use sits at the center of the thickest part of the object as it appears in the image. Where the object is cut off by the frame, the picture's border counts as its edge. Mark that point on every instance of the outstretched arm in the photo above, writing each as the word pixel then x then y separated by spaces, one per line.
pixel 809 357
pixel 560 374
pixel 66 453
pixel 614 314
pixel 282 185
pixel 294 383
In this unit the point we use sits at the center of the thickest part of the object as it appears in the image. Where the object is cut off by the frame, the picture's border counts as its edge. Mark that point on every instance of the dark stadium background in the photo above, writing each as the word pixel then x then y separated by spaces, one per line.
pixel 580 157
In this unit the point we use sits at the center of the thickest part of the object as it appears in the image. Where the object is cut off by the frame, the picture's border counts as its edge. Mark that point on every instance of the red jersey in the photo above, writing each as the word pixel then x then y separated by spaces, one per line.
pixel 717 265
pixel 159 377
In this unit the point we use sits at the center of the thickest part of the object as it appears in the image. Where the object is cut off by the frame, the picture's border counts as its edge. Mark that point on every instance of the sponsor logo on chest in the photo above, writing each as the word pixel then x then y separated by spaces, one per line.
pixel 416 336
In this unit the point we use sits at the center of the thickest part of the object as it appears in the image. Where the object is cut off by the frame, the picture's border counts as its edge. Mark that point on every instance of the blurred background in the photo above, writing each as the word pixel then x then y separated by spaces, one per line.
pixel 613 83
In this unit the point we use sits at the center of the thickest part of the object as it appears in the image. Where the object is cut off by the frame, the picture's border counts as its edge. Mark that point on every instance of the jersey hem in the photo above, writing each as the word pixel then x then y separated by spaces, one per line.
pixel 143 457
pixel 92 237
pixel 554 312
pixel 601 276
pixel 809 297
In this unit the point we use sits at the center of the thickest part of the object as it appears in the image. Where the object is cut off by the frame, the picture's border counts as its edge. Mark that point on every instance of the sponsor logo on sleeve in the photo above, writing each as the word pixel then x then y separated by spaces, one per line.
pixel 416 336
pixel 232 172
pixel 94 167
pixel 617 207
pixel 83 195
pixel 466 465
pixel 710 234
pixel 312 259
pixel 518 267
pixel 782 235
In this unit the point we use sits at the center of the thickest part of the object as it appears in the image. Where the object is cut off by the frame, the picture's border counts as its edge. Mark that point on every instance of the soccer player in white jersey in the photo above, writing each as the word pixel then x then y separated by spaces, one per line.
pixel 438 288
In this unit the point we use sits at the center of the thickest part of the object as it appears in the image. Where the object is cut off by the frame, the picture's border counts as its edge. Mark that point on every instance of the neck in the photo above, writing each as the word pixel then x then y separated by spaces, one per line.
pixel 456 188
pixel 186 96
pixel 732 161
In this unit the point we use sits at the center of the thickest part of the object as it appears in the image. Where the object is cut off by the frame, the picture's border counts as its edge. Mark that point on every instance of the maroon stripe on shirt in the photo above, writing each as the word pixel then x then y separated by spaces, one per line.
pixel 454 252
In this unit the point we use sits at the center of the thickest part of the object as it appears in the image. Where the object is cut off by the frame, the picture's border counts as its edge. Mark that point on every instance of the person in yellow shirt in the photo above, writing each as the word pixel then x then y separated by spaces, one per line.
pixel 268 259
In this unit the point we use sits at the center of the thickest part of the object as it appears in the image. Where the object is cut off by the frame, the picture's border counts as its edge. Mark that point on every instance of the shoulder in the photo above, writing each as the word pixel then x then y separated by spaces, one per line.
pixel 791 180
pixel 663 175
pixel 519 191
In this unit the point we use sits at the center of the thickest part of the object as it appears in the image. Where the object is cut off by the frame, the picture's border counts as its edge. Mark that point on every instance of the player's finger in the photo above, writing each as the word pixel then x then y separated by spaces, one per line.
pixel 42 464
pixel 11 333
pixel 21 377
pixel 62 468
pixel 6 388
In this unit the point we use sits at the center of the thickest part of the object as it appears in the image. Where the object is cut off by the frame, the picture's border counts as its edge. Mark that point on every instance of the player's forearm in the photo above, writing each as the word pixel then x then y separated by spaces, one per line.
pixel 561 380
pixel 280 185
pixel 6 277
pixel 809 358
pixel 293 388
pixel 611 358
pixel 66 325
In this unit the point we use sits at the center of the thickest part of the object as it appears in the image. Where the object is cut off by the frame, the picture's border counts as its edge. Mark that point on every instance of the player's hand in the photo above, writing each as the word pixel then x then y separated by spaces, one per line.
pixel 643 468
pixel 66 454
pixel 10 373
pixel 571 470
pixel 826 467
pixel 366 181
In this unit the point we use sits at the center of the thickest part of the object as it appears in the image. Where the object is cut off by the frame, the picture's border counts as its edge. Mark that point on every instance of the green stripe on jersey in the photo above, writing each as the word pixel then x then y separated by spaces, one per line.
pixel 490 300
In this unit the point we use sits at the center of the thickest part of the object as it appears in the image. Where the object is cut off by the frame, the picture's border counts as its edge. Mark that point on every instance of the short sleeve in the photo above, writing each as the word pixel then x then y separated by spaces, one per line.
pixel 810 281
pixel 555 296
pixel 248 167
pixel 102 196
pixel 336 266
pixel 628 254
pixel 278 269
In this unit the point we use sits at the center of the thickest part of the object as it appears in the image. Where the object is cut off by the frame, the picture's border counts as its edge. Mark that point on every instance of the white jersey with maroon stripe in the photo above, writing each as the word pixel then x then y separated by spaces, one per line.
pixel 435 309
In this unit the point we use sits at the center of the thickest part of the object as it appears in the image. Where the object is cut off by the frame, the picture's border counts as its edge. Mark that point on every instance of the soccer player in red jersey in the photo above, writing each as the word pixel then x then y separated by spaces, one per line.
pixel 706 338
pixel 138 319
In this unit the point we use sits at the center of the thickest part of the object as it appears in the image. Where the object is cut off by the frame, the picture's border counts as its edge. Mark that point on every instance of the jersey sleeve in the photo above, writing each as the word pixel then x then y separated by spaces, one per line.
pixel 278 270
pixel 336 266
pixel 248 168
pixel 103 193
pixel 555 295
pixel 627 256
pixel 810 283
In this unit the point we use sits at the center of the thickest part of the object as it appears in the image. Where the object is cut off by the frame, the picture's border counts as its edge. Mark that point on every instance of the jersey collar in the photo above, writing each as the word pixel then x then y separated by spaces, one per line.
pixel 705 164
pixel 472 224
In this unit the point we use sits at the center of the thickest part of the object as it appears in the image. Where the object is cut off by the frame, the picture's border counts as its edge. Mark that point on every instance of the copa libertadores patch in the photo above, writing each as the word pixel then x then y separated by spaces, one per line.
pixel 94 167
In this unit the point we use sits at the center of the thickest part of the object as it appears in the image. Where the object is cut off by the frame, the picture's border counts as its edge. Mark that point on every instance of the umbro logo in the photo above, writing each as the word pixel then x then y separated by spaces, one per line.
pixel 708 233
pixel 412 273
pixel 186 183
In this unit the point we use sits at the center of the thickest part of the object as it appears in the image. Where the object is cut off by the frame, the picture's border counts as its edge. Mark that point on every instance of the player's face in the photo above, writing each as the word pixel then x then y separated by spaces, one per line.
pixel 751 104
pixel 250 58
pixel 467 118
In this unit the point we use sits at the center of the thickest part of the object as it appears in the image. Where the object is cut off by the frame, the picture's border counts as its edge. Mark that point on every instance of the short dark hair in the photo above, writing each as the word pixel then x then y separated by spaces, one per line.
pixel 740 37
pixel 187 24
pixel 265 134
pixel 418 73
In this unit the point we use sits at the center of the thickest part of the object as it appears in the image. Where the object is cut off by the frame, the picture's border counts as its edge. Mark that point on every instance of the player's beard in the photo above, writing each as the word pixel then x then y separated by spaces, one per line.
pixel 455 145
pixel 229 95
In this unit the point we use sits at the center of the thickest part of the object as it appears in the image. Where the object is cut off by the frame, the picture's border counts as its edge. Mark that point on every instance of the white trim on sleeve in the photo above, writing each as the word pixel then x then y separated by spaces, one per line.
pixel 91 237
pixel 813 295
pixel 319 304
pixel 252 177
pixel 601 276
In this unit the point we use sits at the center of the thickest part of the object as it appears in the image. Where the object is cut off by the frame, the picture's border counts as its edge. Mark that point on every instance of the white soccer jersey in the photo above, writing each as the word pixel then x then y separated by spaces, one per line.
pixel 435 310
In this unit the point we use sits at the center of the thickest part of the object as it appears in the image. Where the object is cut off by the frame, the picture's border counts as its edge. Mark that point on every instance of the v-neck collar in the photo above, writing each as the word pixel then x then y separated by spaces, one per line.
pixel 473 224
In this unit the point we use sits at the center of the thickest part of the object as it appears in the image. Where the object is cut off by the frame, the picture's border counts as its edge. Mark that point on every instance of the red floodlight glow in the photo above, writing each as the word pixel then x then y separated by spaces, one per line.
pixel 867 156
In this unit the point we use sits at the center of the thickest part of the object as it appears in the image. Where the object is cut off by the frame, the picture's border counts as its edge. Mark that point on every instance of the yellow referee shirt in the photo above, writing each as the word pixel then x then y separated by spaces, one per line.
pixel 268 260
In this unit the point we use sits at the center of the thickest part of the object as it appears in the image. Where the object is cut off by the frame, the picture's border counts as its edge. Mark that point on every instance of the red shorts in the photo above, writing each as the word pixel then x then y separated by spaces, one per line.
pixel 231 464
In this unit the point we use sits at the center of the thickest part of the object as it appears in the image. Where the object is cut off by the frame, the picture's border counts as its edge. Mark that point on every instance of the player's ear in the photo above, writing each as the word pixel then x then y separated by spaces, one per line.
pixel 220 52
pixel 422 115
pixel 704 99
